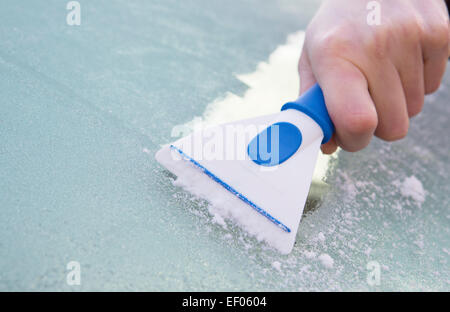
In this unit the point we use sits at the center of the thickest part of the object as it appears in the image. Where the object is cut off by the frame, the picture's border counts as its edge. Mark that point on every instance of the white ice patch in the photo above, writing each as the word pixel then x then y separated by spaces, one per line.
pixel 326 261
pixel 276 265
pixel 321 237
pixel 412 187
pixel 309 254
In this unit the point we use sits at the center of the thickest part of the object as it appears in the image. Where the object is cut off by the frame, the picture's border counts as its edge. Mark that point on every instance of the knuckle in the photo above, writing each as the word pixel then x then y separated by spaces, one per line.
pixel 360 124
pixel 415 98
pixel 441 37
pixel 334 42
pixel 395 132
pixel 438 34
pixel 355 148
pixel 351 147
pixel 431 88
pixel 432 85
pixel 412 29
pixel 378 44
pixel 414 111
pixel 415 108
pixel 351 144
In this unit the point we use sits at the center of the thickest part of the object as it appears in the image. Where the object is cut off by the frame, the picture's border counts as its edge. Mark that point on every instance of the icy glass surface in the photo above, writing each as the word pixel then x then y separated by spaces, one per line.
pixel 83 109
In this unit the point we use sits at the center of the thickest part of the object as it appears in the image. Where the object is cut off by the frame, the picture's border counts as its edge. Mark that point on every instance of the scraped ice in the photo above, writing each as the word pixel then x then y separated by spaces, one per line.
pixel 224 204
pixel 217 218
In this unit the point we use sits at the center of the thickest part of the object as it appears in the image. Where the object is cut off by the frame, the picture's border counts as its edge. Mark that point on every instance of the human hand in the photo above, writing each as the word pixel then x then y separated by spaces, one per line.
pixel 374 78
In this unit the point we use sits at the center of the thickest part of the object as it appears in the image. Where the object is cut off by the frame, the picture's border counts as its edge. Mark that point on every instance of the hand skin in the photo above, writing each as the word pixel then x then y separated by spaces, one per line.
pixel 374 78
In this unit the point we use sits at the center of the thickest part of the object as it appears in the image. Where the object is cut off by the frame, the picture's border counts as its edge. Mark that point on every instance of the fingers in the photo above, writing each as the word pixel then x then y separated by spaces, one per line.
pixel 411 71
pixel 435 63
pixel 387 93
pixel 348 102
pixel 436 47
pixel 307 80
pixel 375 78
pixel 330 147
pixel 353 130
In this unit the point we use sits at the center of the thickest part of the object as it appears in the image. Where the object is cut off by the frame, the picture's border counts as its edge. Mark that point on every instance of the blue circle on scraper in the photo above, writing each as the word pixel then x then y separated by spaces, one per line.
pixel 276 144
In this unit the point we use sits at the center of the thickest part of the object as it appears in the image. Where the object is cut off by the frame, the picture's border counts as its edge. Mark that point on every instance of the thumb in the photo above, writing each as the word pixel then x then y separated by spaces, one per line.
pixel 307 80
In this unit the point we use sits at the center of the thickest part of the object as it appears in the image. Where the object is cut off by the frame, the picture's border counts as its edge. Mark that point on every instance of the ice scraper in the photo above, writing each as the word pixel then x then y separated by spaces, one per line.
pixel 257 171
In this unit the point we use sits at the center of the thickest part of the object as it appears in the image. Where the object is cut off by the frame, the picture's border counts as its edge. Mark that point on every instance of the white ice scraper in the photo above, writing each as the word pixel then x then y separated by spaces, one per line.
pixel 257 171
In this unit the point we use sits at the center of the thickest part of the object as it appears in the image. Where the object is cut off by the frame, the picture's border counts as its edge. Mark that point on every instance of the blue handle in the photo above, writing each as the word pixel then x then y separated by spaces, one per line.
pixel 280 141
pixel 312 103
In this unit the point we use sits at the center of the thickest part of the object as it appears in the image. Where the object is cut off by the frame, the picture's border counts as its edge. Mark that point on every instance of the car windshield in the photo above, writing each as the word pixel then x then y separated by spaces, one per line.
pixel 84 108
